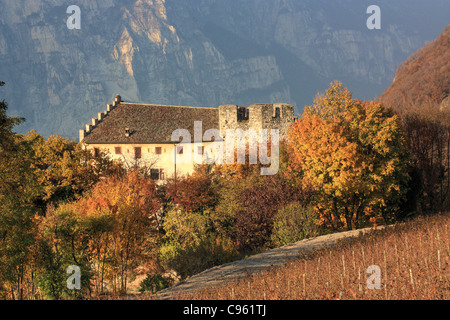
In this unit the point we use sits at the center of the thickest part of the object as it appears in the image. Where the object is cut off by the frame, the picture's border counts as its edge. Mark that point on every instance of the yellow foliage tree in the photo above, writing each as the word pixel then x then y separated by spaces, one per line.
pixel 64 169
pixel 353 154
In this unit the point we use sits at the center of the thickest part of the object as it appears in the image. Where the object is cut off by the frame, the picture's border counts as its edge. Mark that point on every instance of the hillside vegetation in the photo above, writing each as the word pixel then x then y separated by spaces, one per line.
pixel 420 96
pixel 422 82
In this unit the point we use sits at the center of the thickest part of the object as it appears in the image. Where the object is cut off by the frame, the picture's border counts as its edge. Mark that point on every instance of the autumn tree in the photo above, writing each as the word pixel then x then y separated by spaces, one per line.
pixel 353 154
pixel 294 222
pixel 65 170
pixel 107 233
pixel 123 212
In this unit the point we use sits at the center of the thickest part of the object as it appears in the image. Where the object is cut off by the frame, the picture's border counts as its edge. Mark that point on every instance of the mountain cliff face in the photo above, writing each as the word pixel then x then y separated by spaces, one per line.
pixel 199 52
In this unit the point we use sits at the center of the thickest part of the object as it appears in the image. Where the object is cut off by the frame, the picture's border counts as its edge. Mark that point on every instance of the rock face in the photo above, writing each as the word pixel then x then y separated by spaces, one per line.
pixel 201 53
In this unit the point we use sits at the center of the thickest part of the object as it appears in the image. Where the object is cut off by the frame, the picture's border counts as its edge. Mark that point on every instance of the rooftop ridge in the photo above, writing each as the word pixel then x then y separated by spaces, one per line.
pixel 165 105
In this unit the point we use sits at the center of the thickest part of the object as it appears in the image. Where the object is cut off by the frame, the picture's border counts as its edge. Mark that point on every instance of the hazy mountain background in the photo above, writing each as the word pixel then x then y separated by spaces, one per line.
pixel 199 52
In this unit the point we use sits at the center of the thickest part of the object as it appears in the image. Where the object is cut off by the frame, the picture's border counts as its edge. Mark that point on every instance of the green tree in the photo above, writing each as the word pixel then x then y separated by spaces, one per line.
pixel 7 124
pixel 18 191
pixel 61 241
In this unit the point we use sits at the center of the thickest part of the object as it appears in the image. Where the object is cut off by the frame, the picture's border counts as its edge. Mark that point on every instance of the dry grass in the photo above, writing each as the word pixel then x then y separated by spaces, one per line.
pixel 414 259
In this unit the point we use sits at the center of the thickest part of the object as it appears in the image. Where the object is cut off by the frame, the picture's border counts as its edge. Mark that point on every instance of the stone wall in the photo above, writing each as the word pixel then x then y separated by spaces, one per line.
pixel 257 116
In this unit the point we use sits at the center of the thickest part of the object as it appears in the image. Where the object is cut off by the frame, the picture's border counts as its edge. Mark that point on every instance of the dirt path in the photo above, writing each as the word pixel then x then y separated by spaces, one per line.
pixel 219 275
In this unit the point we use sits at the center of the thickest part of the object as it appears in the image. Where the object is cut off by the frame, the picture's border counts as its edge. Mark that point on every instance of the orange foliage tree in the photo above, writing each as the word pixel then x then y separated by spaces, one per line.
pixel 131 203
pixel 109 231
pixel 354 156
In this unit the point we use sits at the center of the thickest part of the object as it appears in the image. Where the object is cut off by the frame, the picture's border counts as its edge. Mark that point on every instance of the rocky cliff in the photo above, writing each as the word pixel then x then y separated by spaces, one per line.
pixel 198 52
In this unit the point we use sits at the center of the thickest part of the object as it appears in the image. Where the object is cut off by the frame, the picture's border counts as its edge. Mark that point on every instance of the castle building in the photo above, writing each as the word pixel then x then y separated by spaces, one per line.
pixel 146 134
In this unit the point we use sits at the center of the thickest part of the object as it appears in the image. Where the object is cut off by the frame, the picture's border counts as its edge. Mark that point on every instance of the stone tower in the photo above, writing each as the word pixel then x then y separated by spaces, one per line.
pixel 257 116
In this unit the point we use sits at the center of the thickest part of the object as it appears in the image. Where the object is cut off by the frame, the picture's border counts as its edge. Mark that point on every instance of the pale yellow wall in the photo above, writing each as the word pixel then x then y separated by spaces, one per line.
pixel 184 163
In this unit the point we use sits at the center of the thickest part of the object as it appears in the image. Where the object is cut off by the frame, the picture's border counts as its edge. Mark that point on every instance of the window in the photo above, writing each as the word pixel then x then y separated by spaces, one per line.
pixel 96 152
pixel 157 174
pixel 158 150
pixel 154 174
pixel 276 112
pixel 200 150
pixel 179 150
pixel 118 150
pixel 137 153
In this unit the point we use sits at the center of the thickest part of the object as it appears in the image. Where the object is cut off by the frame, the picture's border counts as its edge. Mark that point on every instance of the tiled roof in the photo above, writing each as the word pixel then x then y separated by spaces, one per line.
pixel 149 123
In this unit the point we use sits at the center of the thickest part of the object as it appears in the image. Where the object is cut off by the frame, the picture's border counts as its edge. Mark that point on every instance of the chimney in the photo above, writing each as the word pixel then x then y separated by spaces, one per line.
pixel 94 122
pixel 127 132
pixel 88 128
pixel 82 135
pixel 109 107
pixel 100 116
pixel 118 99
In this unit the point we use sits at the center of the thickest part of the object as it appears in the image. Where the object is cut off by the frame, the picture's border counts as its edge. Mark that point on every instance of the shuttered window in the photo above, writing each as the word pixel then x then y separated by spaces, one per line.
pixel 137 153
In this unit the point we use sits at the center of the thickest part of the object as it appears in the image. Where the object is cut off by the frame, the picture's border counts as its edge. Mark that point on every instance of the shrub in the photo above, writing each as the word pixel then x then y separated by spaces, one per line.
pixel 190 260
pixel 154 283
pixel 293 223
pixel 185 227
pixel 258 206
pixel 192 244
